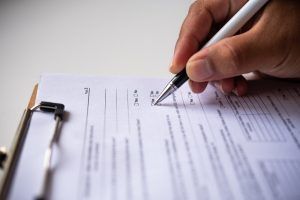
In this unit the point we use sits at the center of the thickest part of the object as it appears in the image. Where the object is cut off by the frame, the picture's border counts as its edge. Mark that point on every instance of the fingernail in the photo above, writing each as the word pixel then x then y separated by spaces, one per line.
pixel 218 85
pixel 170 66
pixel 234 91
pixel 201 69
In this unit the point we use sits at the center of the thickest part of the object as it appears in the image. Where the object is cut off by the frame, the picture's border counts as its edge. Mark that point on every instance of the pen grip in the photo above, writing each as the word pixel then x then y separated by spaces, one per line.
pixel 180 78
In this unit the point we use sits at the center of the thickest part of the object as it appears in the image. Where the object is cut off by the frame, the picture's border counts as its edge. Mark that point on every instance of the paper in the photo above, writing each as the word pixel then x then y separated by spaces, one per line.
pixel 116 145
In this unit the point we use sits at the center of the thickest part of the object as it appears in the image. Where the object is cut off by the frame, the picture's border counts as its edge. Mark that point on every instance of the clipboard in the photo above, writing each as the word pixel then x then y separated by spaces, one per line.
pixel 9 159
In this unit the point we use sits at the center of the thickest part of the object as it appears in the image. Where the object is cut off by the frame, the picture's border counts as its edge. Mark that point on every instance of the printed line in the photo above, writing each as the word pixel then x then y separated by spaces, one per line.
pixel 128 170
pixel 262 129
pixel 246 133
pixel 288 173
pixel 103 150
pixel 114 187
pixel 273 120
pixel 284 173
pixel 172 171
pixel 293 169
pixel 207 121
pixel 281 104
pixel 117 125
pixel 104 120
pixel 142 161
pixel 295 99
pixel 252 124
pixel 81 171
pixel 128 115
pixel 193 132
pixel 273 168
pixel 265 117
pixel 189 153
pixel 176 157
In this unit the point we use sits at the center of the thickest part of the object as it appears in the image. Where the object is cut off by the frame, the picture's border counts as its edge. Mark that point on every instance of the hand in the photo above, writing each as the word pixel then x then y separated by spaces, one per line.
pixel 271 45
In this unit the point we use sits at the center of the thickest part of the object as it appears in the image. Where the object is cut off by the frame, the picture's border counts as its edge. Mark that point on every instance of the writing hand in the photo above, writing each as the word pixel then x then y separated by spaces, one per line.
pixel 270 45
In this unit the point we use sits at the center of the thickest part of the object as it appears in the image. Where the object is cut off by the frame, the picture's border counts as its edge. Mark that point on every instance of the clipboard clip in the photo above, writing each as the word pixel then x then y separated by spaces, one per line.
pixel 56 108
pixel 9 161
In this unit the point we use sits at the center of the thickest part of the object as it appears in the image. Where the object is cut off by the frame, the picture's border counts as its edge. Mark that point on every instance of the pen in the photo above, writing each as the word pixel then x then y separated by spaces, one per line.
pixel 229 29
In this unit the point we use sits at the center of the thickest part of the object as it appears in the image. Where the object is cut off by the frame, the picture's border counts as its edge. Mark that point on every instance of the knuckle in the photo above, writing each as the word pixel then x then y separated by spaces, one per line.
pixel 232 58
pixel 196 7
pixel 217 9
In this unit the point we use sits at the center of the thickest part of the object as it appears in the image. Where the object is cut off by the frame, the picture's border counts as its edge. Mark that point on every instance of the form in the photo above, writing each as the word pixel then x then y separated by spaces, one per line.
pixel 115 145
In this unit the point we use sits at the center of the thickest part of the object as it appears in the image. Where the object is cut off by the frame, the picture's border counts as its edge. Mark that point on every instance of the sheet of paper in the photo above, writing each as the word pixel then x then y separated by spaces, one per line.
pixel 116 145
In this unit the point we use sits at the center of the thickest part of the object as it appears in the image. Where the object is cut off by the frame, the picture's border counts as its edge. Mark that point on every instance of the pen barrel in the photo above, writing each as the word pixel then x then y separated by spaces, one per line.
pixel 237 21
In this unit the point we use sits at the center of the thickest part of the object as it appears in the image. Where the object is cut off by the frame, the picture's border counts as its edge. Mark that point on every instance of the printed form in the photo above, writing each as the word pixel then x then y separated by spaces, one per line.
pixel 116 145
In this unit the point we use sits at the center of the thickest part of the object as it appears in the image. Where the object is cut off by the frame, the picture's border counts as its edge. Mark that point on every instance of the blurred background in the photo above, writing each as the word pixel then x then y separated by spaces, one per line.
pixel 121 37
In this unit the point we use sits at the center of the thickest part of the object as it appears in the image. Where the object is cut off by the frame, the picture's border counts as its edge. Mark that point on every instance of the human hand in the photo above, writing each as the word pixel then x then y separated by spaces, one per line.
pixel 271 45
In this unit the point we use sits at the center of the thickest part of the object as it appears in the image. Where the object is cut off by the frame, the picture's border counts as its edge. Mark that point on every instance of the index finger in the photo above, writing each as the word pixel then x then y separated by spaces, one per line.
pixel 197 25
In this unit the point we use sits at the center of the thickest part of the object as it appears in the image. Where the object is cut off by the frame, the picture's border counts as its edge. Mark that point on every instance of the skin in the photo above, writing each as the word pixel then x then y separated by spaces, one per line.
pixel 269 44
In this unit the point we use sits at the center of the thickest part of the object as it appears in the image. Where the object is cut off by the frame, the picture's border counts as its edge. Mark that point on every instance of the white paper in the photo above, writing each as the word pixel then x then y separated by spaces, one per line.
pixel 116 145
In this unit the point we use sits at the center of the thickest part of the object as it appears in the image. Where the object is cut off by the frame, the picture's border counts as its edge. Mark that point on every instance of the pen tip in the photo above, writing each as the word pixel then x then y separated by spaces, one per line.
pixel 155 102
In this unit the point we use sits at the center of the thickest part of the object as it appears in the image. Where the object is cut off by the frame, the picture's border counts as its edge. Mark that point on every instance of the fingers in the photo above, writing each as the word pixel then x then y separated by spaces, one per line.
pixel 263 48
pixel 195 29
pixel 225 86
pixel 241 86
pixel 228 58
pixel 197 87
pixel 237 85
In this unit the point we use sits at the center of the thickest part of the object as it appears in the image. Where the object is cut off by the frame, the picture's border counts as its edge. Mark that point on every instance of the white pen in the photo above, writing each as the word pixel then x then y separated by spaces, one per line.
pixel 229 29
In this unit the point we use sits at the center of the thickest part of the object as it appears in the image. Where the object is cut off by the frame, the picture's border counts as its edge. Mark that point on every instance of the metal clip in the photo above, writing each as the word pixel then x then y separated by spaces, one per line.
pixel 10 162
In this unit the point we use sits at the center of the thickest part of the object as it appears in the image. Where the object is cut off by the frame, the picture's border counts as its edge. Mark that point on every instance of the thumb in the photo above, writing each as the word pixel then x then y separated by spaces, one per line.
pixel 228 58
